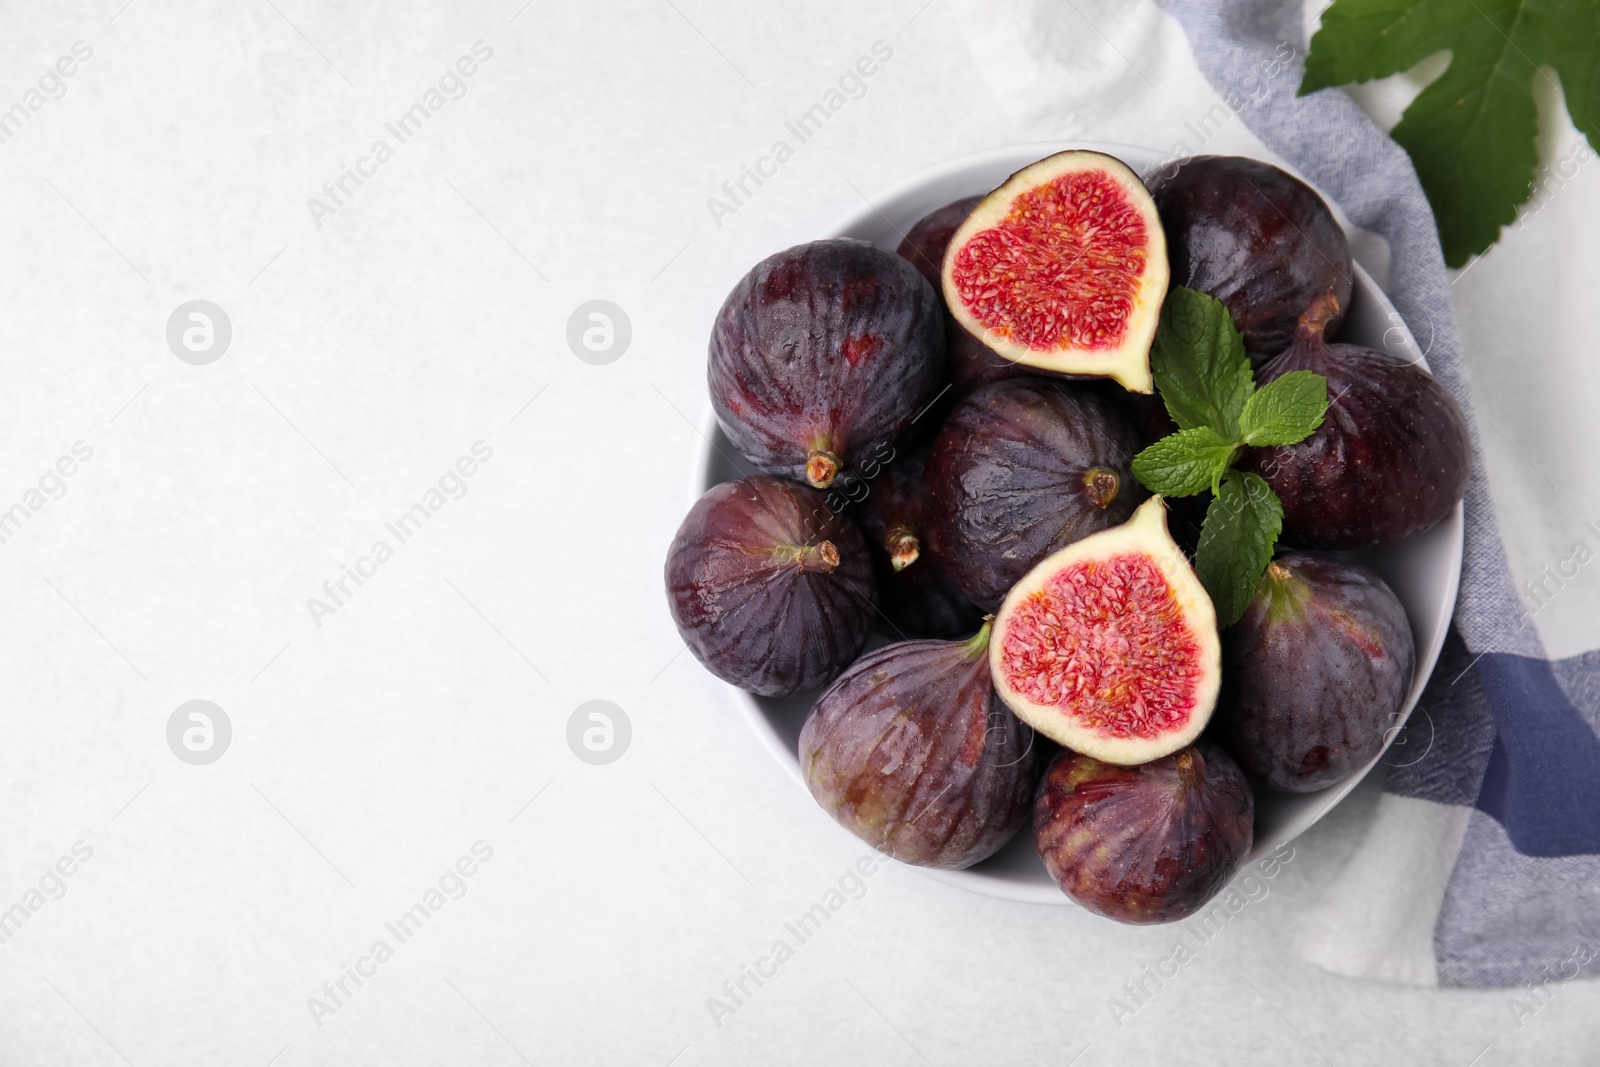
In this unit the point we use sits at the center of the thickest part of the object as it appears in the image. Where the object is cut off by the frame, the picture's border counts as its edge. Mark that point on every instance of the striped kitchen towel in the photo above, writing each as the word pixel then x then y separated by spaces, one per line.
pixel 1480 866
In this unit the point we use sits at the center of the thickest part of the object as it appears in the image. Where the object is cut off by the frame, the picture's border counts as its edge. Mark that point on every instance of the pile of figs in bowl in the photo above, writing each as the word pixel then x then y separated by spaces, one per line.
pixel 931 551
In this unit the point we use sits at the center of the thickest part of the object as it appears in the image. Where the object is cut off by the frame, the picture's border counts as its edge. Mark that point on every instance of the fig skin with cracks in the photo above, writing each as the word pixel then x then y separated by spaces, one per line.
pixel 771 590
pixel 911 751
pixel 1109 647
pixel 1146 844
pixel 1390 459
pixel 1063 268
pixel 1258 239
pixel 1020 469
pixel 1314 673
pixel 822 355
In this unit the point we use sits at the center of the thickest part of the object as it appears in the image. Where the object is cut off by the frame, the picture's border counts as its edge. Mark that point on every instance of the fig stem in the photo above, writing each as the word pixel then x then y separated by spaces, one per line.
pixel 822 467
pixel 822 556
pixel 1323 310
pixel 978 644
pixel 1102 484
pixel 904 548
pixel 1283 593
pixel 1188 774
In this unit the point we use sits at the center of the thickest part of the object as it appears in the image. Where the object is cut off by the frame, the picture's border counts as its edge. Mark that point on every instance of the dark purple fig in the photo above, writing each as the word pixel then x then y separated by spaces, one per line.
pixel 1150 843
pixel 1256 238
pixel 1390 459
pixel 1315 672
pixel 770 589
pixel 913 592
pixel 925 243
pixel 822 355
pixel 912 751
pixel 1023 468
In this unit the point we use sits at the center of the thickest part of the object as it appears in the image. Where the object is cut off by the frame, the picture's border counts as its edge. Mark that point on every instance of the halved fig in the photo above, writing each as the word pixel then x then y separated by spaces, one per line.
pixel 822 355
pixel 1146 844
pixel 1110 645
pixel 770 588
pixel 911 751
pixel 1063 268
pixel 1021 469
pixel 1390 459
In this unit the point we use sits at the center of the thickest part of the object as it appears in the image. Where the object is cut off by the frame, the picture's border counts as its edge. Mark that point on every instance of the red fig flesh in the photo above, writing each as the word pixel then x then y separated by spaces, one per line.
pixel 1110 646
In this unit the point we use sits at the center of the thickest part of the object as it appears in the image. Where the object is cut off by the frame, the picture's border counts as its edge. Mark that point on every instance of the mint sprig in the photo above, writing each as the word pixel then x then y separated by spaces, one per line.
pixel 1204 379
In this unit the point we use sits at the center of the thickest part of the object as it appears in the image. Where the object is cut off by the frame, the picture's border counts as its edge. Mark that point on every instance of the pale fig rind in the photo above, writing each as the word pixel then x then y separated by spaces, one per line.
pixel 1132 680
pixel 1109 308
pixel 1147 844
pixel 911 751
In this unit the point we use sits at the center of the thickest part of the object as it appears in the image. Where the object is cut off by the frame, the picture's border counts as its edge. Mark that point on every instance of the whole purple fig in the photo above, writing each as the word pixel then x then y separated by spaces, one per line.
pixel 1020 469
pixel 822 355
pixel 912 751
pixel 1390 459
pixel 1255 237
pixel 1151 843
pixel 770 589
pixel 1314 673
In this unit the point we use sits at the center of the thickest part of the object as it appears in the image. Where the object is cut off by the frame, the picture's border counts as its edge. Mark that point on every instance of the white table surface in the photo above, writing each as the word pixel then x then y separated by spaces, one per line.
pixel 371 751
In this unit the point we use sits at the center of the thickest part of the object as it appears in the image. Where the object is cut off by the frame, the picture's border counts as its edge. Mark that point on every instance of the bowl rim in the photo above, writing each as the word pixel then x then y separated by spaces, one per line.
pixel 998 886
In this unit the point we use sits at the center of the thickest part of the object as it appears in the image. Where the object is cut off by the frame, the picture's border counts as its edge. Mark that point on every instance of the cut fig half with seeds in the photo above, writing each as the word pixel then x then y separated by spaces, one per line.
pixel 1064 268
pixel 1110 646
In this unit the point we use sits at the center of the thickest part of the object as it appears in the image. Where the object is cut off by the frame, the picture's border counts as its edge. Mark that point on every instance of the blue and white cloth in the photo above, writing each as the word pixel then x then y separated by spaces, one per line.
pixel 1480 868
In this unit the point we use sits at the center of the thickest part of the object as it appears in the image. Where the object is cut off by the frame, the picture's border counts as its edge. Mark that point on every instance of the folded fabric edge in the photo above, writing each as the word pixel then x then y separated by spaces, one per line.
pixel 1376 921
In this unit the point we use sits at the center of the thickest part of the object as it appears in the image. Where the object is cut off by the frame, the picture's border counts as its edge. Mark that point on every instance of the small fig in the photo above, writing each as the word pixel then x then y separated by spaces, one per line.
pixel 1110 645
pixel 1258 239
pixel 913 591
pixel 822 355
pixel 911 751
pixel 1390 459
pixel 1145 844
pixel 1020 469
pixel 1315 672
pixel 1063 268
pixel 770 589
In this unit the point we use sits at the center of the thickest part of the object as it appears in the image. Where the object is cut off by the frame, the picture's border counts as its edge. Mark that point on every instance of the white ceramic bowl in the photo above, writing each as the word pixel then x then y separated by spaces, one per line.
pixel 1423 571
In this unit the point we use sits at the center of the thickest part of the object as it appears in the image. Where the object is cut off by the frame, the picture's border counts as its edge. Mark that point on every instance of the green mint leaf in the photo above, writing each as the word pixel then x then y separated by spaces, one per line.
pixel 1184 463
pixel 1285 410
pixel 1471 133
pixel 1199 363
pixel 1242 524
